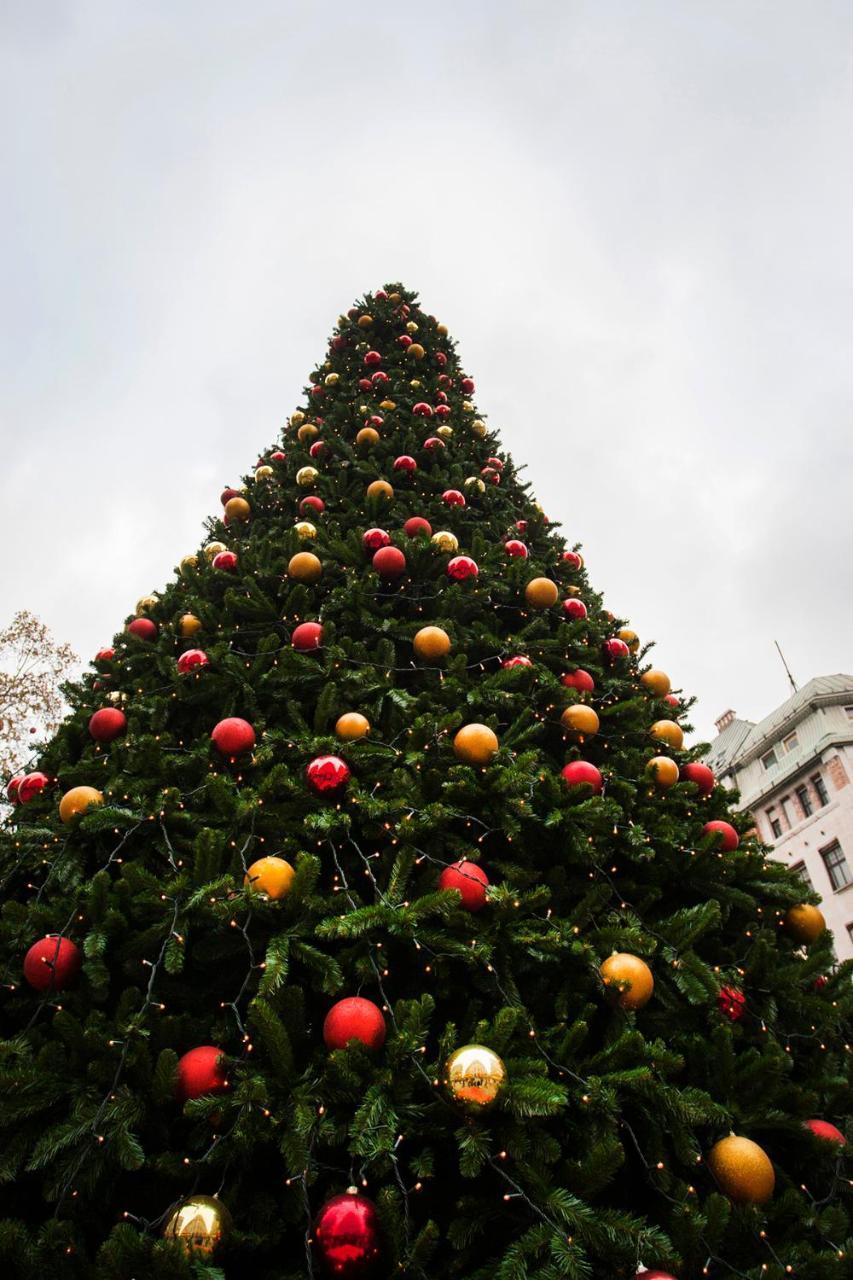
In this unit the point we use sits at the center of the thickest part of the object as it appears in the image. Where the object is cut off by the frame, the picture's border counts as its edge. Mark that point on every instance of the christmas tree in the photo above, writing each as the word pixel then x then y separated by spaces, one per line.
pixel 368 915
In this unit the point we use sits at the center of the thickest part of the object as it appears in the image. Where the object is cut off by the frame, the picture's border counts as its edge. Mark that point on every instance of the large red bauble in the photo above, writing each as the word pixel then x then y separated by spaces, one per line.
pixel 405 463
pixel 278 456
pixel 422 410
pixel 143 629
pixel 31 785
pixel 338 343
pixel 12 788
pixel 434 442
pixel 520 660
pixel 107 724
pixel 496 463
pixel 829 1133
pixel 515 548
pixel 462 567
pixel 379 378
pixel 232 736
pixel 700 774
pixel 730 838
pixel 307 636
pixel 354 1019
pixel 200 1072
pixel 347 1236
pixel 105 655
pixel 312 503
pixel 572 559
pixel 471 881
pixel 490 475
pixel 372 358
pixel 404 340
pixel 415 526
pixel 327 774
pixel 228 493
pixel 318 448
pixel 579 679
pixel 578 771
pixel 672 700
pixel 225 561
pixel 574 608
pixel 521 526
pixel 467 385
pixel 453 498
pixel 192 660
pixel 389 563
pixel 654 1275
pixel 364 384
pixel 731 1002
pixel 615 649
pixel 442 411
pixel 52 963
pixel 440 359
pixel 373 539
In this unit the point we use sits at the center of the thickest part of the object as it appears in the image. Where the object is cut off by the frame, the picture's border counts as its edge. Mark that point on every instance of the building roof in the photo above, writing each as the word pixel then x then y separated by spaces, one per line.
pixel 741 739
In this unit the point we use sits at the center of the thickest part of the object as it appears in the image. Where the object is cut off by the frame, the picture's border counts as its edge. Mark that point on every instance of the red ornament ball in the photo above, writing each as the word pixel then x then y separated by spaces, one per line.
pixel 192 660
pixel 12 788
pixel 422 409
pixel 440 359
pixel 467 385
pixel 730 838
pixel 491 475
pixel 496 463
pixel 575 609
pixel 364 384
pixel 453 498
pixel 372 358
pixel 312 503
pixel 327 774
pixel 228 493
pixel 317 450
pixel 404 340
pixel 616 649
pixel 415 526
pixel 354 1019
pixel 105 655
pixel 471 881
pixel 373 539
pixel 828 1132
pixel 434 442
pixel 521 526
pixel 389 563
pixel 225 561
pixel 405 463
pixel 520 660
pixel 52 963
pixel 233 736
pixel 699 774
pixel 672 700
pixel 514 547
pixel 200 1072
pixel 579 679
pixel 143 629
pixel 578 771
pixel 572 559
pixel 278 456
pixel 732 1003
pixel 307 636
pixel 347 1238
pixel 462 567
pixel 443 410
pixel 107 724
pixel 31 785
pixel 379 378
pixel 654 1275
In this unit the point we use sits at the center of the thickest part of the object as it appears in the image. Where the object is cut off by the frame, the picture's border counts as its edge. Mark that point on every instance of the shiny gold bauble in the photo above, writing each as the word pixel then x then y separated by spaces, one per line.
pixel 189 625
pixel 272 876
pixel 445 540
pixel 78 801
pixel 212 550
pixel 394 297
pixel 657 682
pixel 116 695
pixel 669 732
pixel 467 406
pixel 304 567
pixel 416 383
pixel 307 432
pixel 380 489
pixel 364 322
pixel 200 1224
pixel 572 590
pixel 237 509
pixel 541 593
pixel 663 772
pixel 742 1169
pixel 474 484
pixel 351 726
pixel 442 330
pixel 478 427
pixel 188 563
pixel 297 418
pixel 264 472
pixel 305 529
pixel 476 744
pixel 580 721
pixel 306 476
pixel 804 922
pixel 387 405
pixel 367 435
pixel 629 637
pixel 431 643
pixel 331 379
pixel 146 604
pixel 630 977
pixel 415 351
pixel 444 431
pixel 475 1077
pixel 411 327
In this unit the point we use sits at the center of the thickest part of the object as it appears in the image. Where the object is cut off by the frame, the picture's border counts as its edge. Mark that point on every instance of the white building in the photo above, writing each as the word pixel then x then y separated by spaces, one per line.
pixel 794 771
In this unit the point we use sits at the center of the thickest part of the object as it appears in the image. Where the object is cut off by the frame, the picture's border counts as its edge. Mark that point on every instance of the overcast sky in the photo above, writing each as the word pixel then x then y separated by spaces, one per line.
pixel 635 218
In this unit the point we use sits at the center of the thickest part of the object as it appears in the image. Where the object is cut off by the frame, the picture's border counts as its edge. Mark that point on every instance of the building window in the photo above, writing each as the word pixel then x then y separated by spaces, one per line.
pixel 800 870
pixel 769 759
pixel 805 800
pixel 819 786
pixel 837 867
pixel 848 711
pixel 785 802
pixel 791 741
pixel 775 824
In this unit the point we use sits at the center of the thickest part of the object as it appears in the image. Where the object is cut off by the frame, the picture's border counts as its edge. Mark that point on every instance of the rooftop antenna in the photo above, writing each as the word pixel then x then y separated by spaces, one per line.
pixel 791 679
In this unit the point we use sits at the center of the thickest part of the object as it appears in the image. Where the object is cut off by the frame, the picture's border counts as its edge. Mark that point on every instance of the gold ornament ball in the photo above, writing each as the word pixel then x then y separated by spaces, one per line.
pixel 271 875
pixel 306 476
pixel 146 604
pixel 445 431
pixel 304 567
pixel 411 327
pixel 476 744
pixel 742 1169
pixel 474 484
pixel 657 682
pixel 444 540
pixel 415 351
pixel 78 801
pixel 189 625
pixel 212 550
pixel 416 382
pixel 297 418
pixel 368 436
pixel 581 721
pixel 305 529
pixel 475 1077
pixel 541 593
pixel 442 330
pixel 307 432
pixel 630 638
pixel 364 322
pixel 669 732
pixel 478 427
pixel 467 406
pixel 187 565
pixel 380 489
pixel 804 922
pixel 351 726
pixel 200 1224
pixel 663 772
pixel 431 643
pixel 631 977
pixel 116 695
pixel 332 379
pixel 387 405
pixel 238 509
pixel 264 472
pixel 395 297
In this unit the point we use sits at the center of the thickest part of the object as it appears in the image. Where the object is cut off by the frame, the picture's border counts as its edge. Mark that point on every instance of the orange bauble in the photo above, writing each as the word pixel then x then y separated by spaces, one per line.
pixel 188 625
pixel 742 1169
pixel 804 922
pixel 669 732
pixel 541 593
pixel 629 637
pixel 272 876
pixel 580 720
pixel 380 489
pixel 415 351
pixel 352 725
pixel 476 744
pixel 657 682
pixel 307 432
pixel 237 509
pixel 431 643
pixel 367 435
pixel 304 567
pixel 631 978
pixel 663 772
pixel 78 801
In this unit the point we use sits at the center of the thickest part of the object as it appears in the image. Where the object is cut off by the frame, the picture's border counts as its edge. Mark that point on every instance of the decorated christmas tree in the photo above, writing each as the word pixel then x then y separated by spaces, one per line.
pixel 368 915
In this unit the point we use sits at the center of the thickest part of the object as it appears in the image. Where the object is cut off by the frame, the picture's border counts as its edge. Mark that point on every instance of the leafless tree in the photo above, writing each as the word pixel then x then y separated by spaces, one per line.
pixel 32 667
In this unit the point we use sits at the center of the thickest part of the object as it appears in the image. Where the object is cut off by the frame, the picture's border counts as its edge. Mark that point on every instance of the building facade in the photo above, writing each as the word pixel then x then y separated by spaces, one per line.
pixel 794 772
